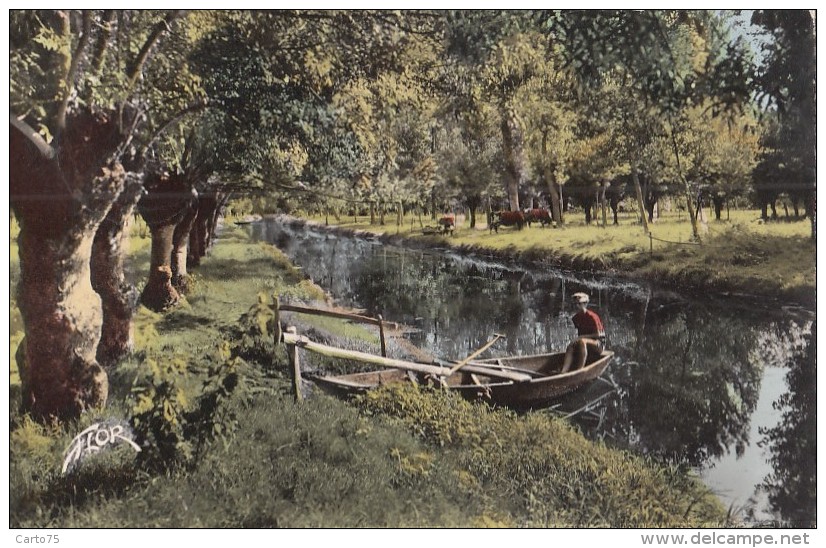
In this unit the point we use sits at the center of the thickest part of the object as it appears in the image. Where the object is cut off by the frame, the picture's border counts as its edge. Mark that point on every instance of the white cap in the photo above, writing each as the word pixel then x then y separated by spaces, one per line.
pixel 580 297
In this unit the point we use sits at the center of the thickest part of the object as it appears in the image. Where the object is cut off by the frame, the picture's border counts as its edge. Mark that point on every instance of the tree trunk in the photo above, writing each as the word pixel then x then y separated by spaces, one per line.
pixel 196 242
pixel 166 203
pixel 587 205
pixel 718 207
pixel 649 207
pixel 640 203
pixel 695 228
pixel 180 249
pixel 509 148
pixel 199 235
pixel 811 211
pixel 117 297
pixel 614 203
pixel 159 294
pixel 556 201
pixel 221 199
pixel 604 204
pixel 550 181
pixel 473 202
pixel 60 201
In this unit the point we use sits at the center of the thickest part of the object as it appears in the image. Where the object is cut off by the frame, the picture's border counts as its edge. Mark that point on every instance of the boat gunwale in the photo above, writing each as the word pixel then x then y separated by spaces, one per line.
pixel 348 380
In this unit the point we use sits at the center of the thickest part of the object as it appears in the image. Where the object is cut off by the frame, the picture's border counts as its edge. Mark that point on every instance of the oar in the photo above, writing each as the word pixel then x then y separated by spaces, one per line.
pixel 464 362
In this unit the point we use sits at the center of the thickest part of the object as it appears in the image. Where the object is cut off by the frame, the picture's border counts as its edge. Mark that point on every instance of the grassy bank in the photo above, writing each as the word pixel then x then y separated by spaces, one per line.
pixel 405 457
pixel 739 254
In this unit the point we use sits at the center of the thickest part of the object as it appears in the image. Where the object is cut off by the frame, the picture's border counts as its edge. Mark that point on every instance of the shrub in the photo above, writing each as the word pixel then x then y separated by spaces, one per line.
pixel 173 431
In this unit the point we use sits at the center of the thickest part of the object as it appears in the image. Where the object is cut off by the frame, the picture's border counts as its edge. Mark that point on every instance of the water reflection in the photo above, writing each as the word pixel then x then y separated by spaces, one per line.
pixel 792 483
pixel 688 372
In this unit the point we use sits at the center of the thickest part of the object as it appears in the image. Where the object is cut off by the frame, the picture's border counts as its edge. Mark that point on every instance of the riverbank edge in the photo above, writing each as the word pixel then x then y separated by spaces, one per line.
pixel 694 283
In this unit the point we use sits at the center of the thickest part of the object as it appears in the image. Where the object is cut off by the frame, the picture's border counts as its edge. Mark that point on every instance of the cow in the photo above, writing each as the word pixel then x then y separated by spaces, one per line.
pixel 507 218
pixel 541 216
pixel 447 224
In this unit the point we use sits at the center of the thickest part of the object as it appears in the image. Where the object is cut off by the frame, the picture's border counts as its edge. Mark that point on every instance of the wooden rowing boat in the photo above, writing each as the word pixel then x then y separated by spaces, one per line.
pixel 546 383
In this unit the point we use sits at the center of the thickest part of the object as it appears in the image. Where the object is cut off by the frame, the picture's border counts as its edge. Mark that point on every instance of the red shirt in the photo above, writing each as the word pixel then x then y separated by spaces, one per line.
pixel 588 323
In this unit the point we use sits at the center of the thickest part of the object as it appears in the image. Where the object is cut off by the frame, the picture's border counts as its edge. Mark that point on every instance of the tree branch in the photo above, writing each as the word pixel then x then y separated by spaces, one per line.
pixel 100 46
pixel 143 54
pixel 70 73
pixel 195 107
pixel 28 131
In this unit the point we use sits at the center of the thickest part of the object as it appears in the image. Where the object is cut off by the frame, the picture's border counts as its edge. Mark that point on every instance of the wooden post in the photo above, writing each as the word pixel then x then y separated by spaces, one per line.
pixel 276 310
pixel 295 368
pixel 381 335
pixel 650 244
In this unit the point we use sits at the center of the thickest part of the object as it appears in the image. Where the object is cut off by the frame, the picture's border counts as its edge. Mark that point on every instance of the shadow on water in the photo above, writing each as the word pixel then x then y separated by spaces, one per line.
pixel 686 378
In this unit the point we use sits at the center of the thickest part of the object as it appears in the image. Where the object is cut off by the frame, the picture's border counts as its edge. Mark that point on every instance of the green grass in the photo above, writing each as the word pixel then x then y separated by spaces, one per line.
pixel 739 253
pixel 405 458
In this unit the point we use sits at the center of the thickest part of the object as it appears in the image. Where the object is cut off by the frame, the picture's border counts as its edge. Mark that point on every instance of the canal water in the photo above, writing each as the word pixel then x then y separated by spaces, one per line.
pixel 723 386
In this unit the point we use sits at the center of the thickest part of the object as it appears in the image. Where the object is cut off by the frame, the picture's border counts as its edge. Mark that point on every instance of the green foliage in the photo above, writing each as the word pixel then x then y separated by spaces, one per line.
pixel 171 429
pixel 158 408
pixel 556 476
pixel 433 414
pixel 253 335
pixel 228 386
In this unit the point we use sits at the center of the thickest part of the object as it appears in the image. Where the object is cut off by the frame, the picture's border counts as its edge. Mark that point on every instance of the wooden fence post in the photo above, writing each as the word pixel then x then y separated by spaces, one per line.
pixel 650 244
pixel 381 335
pixel 295 367
pixel 276 310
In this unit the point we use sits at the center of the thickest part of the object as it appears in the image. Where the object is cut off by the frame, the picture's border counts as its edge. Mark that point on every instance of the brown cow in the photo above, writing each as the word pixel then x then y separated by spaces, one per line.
pixel 447 223
pixel 541 216
pixel 508 218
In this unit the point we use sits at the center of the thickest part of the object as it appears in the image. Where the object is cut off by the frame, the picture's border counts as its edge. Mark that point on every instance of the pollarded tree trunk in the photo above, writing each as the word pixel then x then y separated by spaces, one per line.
pixel 60 195
pixel 118 298
pixel 180 248
pixel 203 231
pixel 196 249
pixel 221 200
pixel 159 294
pixel 164 205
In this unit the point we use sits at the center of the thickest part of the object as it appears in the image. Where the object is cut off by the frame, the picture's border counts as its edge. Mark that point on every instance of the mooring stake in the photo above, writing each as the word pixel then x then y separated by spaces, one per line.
pixel 295 367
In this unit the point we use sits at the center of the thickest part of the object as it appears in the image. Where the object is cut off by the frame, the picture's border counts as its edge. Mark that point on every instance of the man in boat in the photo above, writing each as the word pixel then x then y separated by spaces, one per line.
pixel 590 336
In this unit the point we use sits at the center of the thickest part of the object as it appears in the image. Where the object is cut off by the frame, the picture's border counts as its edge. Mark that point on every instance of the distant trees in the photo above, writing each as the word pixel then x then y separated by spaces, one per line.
pixel 786 81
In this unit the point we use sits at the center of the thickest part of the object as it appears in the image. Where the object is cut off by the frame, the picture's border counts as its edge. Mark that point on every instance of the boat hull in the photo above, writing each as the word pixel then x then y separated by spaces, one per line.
pixel 547 385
